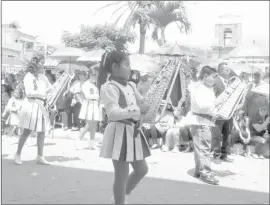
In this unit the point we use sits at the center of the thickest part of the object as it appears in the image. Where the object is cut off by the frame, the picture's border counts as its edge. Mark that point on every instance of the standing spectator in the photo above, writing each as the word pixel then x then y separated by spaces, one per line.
pixel 76 103
pixel 63 106
pixel 4 101
pixel 223 127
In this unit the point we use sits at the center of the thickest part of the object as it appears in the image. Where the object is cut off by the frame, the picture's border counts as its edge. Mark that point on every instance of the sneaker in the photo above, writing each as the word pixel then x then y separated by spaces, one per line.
pixel 74 128
pixel 93 147
pixel 261 157
pixel 41 160
pixel 17 159
pixel 112 200
pixel 255 156
pixel 80 145
pixel 165 148
pixel 175 150
pixel 187 150
pixel 209 179
pixel 154 146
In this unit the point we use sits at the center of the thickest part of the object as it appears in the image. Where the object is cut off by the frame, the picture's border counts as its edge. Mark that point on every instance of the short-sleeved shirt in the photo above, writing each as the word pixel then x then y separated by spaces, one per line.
pixel 42 84
pixel 110 94
pixel 256 120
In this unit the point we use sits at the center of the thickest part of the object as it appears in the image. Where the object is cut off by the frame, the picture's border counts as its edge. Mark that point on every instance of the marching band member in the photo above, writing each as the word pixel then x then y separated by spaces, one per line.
pixel 90 111
pixel 202 111
pixel 122 142
pixel 33 115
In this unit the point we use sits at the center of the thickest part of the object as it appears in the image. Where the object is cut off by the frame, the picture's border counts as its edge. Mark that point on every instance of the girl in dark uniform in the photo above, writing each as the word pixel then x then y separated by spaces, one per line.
pixel 122 142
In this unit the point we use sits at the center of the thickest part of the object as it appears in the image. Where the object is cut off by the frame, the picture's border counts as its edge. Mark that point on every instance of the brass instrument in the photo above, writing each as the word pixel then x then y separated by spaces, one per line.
pixel 58 88
pixel 163 83
pixel 232 98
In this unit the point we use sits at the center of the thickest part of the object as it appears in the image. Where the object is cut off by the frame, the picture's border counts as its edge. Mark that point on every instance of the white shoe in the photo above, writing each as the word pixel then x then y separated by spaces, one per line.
pixel 165 148
pixel 80 145
pixel 42 160
pixel 175 150
pixel 112 200
pixel 92 145
pixel 17 159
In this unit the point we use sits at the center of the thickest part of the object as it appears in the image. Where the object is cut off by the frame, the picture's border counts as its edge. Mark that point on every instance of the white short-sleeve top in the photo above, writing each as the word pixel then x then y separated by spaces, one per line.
pixel 42 84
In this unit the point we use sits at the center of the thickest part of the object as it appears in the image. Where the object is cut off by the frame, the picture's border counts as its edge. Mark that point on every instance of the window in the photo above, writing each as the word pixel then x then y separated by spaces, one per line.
pixel 227 37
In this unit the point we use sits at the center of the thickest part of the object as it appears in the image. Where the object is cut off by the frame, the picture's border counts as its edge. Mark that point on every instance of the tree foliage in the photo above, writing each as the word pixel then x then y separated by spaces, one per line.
pixel 98 37
pixel 165 13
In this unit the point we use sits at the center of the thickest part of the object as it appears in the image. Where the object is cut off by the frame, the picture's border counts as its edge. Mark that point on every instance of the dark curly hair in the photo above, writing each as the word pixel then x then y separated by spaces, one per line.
pixel 32 68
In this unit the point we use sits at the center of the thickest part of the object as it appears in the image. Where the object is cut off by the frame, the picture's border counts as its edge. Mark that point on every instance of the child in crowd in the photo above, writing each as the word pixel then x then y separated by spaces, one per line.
pixel 4 100
pixel 259 130
pixel 159 130
pixel 13 108
pixel 241 132
pixel 122 141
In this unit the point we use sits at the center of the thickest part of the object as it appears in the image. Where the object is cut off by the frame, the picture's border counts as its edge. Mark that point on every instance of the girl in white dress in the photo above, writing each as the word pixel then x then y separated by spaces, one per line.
pixel 33 115
pixel 122 142
pixel 90 111
pixel 13 108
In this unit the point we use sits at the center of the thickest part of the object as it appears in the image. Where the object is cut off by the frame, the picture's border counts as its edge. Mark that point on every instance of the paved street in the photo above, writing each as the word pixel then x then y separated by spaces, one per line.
pixel 84 178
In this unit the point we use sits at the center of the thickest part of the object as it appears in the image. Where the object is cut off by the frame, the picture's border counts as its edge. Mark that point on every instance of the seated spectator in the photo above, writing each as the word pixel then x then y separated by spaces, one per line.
pixel 144 84
pixel 177 136
pixel 159 130
pixel 241 132
pixel 259 128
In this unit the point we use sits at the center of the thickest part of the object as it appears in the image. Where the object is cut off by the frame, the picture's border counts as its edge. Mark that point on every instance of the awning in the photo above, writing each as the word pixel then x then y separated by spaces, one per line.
pixel 12 65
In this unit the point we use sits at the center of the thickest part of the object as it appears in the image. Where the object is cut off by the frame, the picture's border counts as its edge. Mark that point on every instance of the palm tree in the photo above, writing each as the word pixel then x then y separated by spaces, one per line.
pixel 137 15
pixel 165 13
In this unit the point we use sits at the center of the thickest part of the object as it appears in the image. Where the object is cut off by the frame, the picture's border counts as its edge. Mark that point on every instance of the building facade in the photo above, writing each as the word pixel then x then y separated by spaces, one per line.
pixel 228 35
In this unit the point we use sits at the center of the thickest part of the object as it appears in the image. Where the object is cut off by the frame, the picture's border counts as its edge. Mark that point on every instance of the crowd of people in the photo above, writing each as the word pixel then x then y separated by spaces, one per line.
pixel 113 105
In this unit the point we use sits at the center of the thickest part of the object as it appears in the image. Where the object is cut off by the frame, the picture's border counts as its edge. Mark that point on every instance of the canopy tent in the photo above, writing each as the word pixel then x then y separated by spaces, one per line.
pixel 243 68
pixel 262 89
pixel 178 50
pixel 144 63
pixel 242 51
pixel 94 55
pixel 12 65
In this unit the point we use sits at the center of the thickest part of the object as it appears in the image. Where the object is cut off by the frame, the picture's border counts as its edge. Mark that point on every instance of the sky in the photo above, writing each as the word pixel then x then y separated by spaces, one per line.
pixel 48 19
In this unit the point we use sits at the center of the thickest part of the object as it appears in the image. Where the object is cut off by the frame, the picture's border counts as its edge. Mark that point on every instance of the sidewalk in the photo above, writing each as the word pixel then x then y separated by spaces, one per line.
pixel 83 177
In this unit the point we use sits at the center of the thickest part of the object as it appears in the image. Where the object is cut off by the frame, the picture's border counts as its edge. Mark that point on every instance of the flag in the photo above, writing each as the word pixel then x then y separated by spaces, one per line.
pixel 176 94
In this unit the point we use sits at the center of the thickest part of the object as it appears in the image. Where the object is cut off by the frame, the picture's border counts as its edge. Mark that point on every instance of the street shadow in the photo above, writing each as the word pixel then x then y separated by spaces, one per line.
pixel 218 173
pixel 61 159
pixel 28 184
pixel 4 155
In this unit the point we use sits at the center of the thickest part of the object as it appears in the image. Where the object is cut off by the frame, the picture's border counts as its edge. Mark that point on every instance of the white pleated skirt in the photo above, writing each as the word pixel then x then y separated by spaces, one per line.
pixel 119 143
pixel 33 116
pixel 90 110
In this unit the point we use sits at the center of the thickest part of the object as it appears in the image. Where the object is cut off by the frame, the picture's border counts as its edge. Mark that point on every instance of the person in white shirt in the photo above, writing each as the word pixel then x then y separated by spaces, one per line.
pixel 33 115
pixel 203 100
